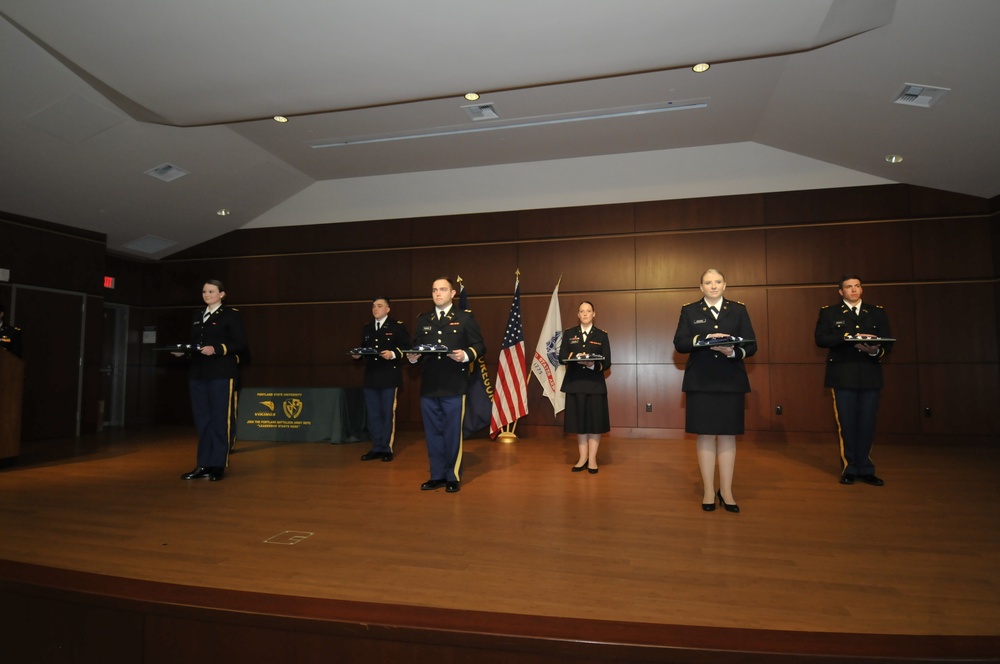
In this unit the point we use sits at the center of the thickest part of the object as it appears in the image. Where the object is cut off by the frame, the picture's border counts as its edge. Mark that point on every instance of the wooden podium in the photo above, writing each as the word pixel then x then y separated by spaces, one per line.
pixel 11 395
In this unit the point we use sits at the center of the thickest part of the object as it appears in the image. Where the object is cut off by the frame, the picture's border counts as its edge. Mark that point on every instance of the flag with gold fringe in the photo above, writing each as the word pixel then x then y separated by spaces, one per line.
pixel 545 363
pixel 510 394
pixel 479 391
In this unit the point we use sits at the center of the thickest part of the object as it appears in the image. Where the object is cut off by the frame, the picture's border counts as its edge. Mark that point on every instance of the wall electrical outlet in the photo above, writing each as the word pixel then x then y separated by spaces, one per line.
pixel 649 408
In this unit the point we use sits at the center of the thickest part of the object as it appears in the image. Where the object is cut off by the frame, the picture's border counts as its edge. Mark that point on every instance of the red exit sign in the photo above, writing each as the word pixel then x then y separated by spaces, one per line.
pixel 109 282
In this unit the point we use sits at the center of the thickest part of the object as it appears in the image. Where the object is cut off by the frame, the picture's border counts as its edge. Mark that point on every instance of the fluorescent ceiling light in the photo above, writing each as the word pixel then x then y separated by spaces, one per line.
pixel 604 114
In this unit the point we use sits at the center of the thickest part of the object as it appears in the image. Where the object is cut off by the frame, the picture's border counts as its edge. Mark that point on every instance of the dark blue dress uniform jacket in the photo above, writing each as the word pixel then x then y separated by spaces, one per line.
pixel 708 370
pixel 846 366
pixel 381 373
pixel 443 376
pixel 224 332
pixel 579 379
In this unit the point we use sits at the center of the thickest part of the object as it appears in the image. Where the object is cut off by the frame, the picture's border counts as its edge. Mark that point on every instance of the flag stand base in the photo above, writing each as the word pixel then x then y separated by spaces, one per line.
pixel 506 437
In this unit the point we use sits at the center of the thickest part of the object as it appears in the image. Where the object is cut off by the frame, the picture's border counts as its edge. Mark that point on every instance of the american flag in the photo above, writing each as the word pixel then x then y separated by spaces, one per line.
pixel 510 396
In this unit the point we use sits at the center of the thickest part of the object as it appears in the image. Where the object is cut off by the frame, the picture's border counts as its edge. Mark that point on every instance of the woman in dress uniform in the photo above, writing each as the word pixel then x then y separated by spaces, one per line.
pixel 586 392
pixel 716 382
pixel 218 348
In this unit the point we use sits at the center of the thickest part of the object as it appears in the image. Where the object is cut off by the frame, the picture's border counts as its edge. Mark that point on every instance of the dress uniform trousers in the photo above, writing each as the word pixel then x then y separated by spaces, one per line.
pixel 213 404
pixel 380 406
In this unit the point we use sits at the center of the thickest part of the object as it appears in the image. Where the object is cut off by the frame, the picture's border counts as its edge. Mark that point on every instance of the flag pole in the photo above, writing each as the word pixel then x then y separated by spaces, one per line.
pixel 507 434
pixel 508 376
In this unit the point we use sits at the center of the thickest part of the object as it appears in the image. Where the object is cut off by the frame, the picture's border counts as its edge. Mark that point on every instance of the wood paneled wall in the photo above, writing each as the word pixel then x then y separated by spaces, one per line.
pixel 929 257
pixel 57 273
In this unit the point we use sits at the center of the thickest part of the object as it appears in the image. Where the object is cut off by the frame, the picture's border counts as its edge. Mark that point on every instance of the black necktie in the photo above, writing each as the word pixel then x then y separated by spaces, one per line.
pixel 584 337
pixel 714 310
pixel 855 310
pixel 378 324
pixel 440 315
pixel 204 318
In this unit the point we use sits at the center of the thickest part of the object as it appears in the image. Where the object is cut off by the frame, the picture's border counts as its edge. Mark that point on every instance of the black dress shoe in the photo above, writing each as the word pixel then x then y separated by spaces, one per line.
pixel 453 487
pixel 216 474
pixel 196 474
pixel 846 479
pixel 708 507
pixel 371 456
pixel 734 508
pixel 579 469
pixel 593 471
pixel 430 485
pixel 871 479
pixel 386 456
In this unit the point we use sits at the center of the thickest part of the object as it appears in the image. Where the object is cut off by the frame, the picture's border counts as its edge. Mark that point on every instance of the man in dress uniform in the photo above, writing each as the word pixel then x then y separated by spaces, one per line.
pixel 445 378
pixel 10 336
pixel 854 372
pixel 383 377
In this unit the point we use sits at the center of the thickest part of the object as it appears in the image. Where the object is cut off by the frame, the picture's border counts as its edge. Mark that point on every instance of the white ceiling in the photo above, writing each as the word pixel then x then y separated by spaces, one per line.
pixel 95 94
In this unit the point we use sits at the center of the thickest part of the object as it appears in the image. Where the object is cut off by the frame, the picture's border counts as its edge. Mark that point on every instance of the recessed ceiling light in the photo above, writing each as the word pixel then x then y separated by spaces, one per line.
pixel 700 67
pixel 471 96
pixel 280 118
pixel 222 212
pixel 893 158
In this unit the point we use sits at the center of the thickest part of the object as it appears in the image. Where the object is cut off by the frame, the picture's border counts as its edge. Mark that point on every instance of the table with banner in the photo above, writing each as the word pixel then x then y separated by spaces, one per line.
pixel 302 414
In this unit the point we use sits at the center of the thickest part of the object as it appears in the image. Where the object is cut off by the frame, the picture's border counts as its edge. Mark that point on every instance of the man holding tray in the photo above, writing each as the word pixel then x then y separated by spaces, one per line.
pixel 855 333
pixel 448 340
pixel 382 342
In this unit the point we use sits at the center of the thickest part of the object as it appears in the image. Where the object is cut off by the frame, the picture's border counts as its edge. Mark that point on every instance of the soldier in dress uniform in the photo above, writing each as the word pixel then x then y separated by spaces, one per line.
pixel 587 415
pixel 854 374
pixel 383 377
pixel 445 378
pixel 10 336
pixel 716 383
pixel 219 347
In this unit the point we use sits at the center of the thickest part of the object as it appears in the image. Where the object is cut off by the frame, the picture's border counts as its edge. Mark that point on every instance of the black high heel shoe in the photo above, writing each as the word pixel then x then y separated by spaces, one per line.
pixel 734 508
pixel 579 469
pixel 708 507
pixel 592 471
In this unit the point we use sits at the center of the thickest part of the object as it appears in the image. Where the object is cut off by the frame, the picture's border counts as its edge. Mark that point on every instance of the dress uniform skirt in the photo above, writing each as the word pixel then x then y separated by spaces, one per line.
pixel 586 413
pixel 713 413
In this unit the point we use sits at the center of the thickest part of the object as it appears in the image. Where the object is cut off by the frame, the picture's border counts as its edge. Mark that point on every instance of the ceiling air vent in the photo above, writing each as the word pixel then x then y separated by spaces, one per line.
pixel 149 244
pixel 924 96
pixel 167 172
pixel 482 112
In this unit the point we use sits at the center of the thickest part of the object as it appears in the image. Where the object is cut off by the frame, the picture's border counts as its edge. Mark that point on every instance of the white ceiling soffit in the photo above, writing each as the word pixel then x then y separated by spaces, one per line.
pixel 717 170
pixel 320 41
pixel 799 95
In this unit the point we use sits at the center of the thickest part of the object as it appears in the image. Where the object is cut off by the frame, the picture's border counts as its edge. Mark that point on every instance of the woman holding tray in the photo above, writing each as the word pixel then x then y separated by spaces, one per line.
pixel 718 335
pixel 586 392
pixel 220 347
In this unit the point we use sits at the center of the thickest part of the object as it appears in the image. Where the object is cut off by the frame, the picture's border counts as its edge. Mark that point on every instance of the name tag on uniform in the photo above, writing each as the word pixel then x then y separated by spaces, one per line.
pixel 428 328
pixel 699 322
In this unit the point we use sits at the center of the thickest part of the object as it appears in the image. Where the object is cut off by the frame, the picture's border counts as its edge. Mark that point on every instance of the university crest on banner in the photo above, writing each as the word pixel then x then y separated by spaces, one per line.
pixel 292 408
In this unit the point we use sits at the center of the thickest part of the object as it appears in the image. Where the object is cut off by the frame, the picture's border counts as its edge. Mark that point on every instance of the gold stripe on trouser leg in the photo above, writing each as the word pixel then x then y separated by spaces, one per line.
pixel 392 429
pixel 461 439
pixel 840 433
pixel 230 409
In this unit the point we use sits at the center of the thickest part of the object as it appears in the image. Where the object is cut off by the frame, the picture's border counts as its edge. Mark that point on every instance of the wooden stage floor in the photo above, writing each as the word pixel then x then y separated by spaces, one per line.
pixel 525 537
